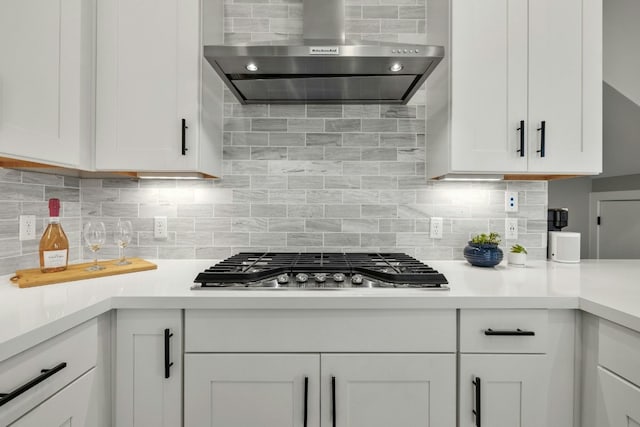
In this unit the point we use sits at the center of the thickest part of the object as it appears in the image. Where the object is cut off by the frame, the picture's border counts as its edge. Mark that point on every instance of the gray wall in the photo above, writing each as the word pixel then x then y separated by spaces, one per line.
pixel 621 35
pixel 297 178
pixel 621 133
pixel 574 195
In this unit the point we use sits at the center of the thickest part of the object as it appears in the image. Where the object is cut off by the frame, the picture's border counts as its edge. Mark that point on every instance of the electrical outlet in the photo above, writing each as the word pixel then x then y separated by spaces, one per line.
pixel 435 228
pixel 27 227
pixel 160 227
pixel 511 228
pixel 511 201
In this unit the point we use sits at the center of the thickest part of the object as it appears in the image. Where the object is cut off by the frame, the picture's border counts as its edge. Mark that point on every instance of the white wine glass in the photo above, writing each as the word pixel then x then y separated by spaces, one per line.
pixel 122 238
pixel 94 236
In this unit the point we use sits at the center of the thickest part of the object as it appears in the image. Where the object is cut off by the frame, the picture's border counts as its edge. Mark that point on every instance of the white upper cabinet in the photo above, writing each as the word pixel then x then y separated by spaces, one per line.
pixel 159 105
pixel 46 76
pixel 519 90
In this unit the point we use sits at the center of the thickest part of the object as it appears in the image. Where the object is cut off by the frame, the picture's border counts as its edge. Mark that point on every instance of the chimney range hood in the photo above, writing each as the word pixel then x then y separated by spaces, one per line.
pixel 324 68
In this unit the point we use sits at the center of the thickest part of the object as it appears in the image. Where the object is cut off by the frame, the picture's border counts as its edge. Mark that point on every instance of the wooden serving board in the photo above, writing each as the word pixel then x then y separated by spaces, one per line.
pixel 34 277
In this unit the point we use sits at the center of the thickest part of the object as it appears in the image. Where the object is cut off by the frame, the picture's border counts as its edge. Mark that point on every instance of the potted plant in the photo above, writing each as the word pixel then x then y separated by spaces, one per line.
pixel 483 251
pixel 517 255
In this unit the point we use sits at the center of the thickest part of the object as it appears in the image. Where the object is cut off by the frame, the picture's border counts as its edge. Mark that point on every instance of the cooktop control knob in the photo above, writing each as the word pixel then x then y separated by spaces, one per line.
pixel 356 279
pixel 283 278
pixel 338 277
pixel 301 278
pixel 320 277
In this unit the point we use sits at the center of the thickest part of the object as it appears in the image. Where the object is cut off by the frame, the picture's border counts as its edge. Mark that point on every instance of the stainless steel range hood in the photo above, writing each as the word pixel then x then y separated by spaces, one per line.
pixel 324 68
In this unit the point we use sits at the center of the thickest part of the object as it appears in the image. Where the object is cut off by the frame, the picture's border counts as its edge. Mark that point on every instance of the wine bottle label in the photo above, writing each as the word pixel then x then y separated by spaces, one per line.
pixel 54 259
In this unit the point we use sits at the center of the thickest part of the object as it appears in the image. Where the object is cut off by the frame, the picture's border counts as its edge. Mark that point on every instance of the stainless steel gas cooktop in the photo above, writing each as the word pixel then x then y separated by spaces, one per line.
pixel 320 271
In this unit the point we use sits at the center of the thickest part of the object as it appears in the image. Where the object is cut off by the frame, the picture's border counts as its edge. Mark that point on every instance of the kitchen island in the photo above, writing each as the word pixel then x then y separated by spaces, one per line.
pixel 384 330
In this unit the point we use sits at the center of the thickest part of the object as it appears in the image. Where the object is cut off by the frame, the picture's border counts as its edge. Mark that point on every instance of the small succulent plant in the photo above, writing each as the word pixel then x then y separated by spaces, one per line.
pixel 486 239
pixel 518 249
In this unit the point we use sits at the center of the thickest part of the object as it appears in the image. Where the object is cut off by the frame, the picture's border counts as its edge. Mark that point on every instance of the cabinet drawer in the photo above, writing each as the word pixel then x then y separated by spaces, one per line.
pixel 320 331
pixel 503 331
pixel 76 347
pixel 619 350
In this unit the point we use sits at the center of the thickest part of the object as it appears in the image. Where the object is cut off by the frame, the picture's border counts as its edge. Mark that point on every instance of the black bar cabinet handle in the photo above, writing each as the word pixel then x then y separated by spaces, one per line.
pixel 167 356
pixel 184 137
pixel 478 411
pixel 306 399
pixel 518 332
pixel 521 129
pixel 44 374
pixel 333 400
pixel 543 130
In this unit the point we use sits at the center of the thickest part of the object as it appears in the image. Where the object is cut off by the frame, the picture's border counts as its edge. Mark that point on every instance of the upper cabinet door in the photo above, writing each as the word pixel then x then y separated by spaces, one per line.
pixel 148 73
pixel 382 390
pixel 559 95
pixel 45 80
pixel 489 90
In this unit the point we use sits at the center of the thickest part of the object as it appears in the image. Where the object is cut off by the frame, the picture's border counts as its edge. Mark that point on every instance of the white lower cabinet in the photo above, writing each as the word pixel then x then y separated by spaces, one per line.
pixel 69 407
pixel 382 390
pixel 617 376
pixel 619 401
pixel 148 380
pixel 295 390
pixel 243 390
pixel 506 390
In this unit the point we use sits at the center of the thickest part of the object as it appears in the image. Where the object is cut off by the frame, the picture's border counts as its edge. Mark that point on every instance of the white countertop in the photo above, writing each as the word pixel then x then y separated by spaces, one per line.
pixel 609 289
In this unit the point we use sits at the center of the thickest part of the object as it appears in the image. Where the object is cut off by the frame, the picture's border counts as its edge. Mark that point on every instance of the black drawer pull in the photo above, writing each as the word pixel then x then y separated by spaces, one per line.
pixel 478 411
pixel 167 356
pixel 506 333
pixel 306 399
pixel 333 401
pixel 45 373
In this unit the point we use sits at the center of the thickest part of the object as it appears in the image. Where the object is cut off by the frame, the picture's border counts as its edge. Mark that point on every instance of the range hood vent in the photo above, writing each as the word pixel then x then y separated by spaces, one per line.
pixel 324 68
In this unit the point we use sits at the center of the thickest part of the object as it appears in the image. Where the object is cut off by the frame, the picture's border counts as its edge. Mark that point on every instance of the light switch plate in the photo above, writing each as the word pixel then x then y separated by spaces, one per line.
pixel 511 201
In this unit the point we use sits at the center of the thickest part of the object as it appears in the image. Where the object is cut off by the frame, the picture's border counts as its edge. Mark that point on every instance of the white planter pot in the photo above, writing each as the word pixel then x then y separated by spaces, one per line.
pixel 517 259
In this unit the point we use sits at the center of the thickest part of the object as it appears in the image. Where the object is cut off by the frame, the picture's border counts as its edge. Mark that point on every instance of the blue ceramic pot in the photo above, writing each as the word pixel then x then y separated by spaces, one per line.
pixel 483 255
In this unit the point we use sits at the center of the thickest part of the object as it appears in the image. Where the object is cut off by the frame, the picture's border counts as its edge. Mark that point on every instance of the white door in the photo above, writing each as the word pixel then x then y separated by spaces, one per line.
pixel 252 390
pixel 44 75
pixel 619 229
pixel 556 89
pixel 67 408
pixel 489 94
pixel 147 81
pixel 382 390
pixel 511 391
pixel 619 401
pixel 148 350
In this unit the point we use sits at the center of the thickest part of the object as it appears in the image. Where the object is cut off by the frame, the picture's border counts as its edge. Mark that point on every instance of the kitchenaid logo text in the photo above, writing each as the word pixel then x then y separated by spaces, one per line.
pixel 335 50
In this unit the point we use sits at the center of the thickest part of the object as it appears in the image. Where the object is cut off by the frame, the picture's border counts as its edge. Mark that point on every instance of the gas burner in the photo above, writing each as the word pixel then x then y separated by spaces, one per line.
pixel 318 270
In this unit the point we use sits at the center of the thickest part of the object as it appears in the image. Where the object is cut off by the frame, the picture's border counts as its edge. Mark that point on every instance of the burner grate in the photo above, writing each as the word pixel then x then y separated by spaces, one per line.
pixel 246 267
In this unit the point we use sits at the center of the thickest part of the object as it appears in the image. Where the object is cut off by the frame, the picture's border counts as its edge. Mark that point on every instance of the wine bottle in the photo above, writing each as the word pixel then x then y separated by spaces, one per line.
pixel 54 245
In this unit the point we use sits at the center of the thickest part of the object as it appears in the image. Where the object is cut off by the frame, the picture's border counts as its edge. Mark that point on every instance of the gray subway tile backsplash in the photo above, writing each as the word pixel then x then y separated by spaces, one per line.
pixel 297 177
